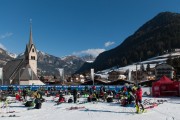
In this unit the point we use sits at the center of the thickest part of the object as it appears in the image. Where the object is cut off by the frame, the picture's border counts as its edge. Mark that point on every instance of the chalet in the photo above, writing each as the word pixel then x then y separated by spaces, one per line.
pixel 164 69
pixel 116 75
pixel 138 76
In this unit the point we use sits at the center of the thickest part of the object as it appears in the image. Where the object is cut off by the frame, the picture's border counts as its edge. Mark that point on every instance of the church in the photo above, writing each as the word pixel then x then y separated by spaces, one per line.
pixel 23 71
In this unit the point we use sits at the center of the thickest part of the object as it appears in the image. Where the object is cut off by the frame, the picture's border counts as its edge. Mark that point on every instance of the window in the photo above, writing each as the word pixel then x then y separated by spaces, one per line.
pixel 32 50
pixel 32 57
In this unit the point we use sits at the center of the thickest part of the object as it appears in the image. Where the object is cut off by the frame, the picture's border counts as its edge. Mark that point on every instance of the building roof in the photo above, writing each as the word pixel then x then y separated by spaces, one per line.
pixel 10 68
pixel 18 69
pixel 30 44
pixel 164 64
pixel 27 74
pixel 30 37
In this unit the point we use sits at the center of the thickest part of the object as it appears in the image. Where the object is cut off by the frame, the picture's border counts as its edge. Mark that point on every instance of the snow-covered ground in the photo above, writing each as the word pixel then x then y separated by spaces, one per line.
pixel 93 111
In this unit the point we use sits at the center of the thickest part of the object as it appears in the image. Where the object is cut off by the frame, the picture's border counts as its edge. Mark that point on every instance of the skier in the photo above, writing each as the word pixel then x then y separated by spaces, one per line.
pixel 130 95
pixel 139 100
pixel 61 99
pixel 24 94
pixel 37 100
pixel 75 95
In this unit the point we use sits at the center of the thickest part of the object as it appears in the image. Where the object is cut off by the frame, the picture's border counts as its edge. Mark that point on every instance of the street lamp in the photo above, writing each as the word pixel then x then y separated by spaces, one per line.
pixel 20 72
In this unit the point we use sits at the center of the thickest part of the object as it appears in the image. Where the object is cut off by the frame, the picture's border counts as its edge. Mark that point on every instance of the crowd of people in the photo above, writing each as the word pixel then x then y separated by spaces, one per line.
pixel 128 95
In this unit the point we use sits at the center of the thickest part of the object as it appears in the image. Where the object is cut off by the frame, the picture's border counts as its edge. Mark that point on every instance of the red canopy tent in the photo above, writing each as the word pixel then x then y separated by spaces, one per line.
pixel 165 87
pixel 164 80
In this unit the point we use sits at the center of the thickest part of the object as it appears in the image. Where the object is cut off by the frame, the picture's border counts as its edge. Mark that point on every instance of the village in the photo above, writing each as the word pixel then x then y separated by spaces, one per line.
pixel 26 72
pixel 89 60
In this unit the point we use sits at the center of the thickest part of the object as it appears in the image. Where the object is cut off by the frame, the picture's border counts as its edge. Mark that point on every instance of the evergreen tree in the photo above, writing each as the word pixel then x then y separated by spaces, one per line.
pixel 148 67
pixel 142 67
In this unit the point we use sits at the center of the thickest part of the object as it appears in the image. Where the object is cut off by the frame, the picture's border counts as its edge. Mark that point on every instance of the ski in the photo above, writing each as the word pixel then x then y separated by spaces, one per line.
pixel 151 106
pixel 75 108
pixel 10 116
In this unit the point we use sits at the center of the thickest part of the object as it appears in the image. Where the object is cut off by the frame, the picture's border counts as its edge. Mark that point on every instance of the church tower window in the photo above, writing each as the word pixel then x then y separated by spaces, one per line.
pixel 32 50
pixel 32 57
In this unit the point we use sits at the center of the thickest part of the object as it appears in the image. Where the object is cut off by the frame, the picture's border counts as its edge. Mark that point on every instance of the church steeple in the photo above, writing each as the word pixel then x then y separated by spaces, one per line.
pixel 31 53
pixel 30 37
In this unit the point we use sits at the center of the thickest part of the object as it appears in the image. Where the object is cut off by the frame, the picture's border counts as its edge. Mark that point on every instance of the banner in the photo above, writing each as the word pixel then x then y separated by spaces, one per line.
pixel 1 76
pixel 92 75
pixel 1 73
pixel 61 73
pixel 61 87
pixel 30 73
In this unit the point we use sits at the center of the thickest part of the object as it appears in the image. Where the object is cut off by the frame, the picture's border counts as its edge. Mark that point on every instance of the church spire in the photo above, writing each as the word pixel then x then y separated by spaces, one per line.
pixel 30 37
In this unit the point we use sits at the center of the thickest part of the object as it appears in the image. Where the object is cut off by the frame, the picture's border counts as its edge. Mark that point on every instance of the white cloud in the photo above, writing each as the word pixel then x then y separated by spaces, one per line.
pixel 2 46
pixel 93 52
pixel 109 43
pixel 8 34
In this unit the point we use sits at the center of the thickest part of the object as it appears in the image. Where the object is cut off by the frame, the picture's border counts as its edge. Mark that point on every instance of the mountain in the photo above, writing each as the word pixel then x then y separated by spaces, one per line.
pixel 157 36
pixel 70 63
pixel 49 63
pixel 88 58
pixel 5 56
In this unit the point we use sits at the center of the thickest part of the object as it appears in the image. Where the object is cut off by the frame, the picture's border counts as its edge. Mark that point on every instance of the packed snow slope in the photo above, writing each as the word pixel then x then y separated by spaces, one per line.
pixel 93 111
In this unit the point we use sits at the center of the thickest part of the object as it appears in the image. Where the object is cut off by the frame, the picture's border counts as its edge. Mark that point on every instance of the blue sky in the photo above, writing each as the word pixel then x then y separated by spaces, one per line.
pixel 66 27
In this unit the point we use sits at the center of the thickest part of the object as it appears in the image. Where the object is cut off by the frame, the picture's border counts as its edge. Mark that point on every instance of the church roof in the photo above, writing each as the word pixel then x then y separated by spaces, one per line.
pixel 10 68
pixel 18 68
pixel 30 37
pixel 29 45
pixel 26 74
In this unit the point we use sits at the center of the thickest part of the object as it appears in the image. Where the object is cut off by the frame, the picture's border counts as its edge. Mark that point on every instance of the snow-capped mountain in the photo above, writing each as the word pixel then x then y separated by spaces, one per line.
pixel 154 37
pixel 49 63
pixel 5 56
pixel 12 55
pixel 86 58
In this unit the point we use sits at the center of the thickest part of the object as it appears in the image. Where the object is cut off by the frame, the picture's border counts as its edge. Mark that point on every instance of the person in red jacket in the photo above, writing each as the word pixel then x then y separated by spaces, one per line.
pixel 139 99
